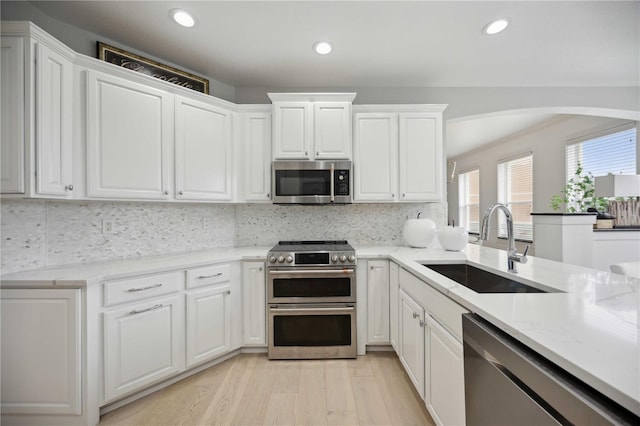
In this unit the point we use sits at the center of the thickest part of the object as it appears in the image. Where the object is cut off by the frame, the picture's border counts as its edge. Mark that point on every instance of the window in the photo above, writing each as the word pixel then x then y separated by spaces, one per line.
pixel 469 200
pixel 614 152
pixel 515 189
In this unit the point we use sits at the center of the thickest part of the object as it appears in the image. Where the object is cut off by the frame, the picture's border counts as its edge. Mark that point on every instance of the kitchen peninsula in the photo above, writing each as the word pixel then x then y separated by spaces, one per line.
pixel 588 326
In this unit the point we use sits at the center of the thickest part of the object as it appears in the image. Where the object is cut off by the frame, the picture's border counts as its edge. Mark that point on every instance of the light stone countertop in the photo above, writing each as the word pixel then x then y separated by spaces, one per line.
pixel 590 328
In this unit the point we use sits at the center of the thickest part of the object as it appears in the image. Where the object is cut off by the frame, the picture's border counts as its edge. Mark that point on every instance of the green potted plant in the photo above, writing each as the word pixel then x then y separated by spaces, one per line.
pixel 579 194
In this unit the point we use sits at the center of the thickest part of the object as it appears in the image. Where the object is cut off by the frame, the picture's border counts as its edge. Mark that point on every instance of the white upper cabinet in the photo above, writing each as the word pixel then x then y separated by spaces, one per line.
pixel 203 151
pixel 398 153
pixel 332 130
pixel 256 159
pixel 308 126
pixel 54 82
pixel 12 142
pixel 292 130
pixel 375 159
pixel 37 110
pixel 129 139
pixel 421 159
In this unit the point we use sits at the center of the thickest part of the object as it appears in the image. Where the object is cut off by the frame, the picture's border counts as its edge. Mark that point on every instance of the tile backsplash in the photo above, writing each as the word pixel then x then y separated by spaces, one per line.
pixel 38 233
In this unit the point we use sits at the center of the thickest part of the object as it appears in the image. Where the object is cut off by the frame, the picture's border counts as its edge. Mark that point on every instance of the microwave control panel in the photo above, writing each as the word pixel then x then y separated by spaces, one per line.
pixel 341 182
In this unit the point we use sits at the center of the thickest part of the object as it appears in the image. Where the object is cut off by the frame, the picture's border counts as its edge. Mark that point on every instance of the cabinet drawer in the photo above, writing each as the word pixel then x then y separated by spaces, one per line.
pixel 215 274
pixel 131 289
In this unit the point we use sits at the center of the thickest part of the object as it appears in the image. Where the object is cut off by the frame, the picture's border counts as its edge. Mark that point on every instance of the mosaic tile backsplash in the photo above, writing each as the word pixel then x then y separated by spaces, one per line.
pixel 38 233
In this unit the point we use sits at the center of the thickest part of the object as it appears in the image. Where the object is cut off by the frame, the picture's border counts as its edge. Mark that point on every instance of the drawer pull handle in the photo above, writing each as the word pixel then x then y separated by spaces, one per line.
pixel 134 289
pixel 135 311
pixel 202 277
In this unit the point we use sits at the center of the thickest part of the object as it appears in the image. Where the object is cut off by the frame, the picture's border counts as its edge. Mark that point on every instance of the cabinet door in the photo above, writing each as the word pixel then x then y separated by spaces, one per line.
pixel 375 156
pixel 257 157
pixel 444 366
pixel 292 130
pixel 41 351
pixel 254 323
pixel 208 323
pixel 412 340
pixel 54 80
pixel 143 343
pixel 421 161
pixel 12 113
pixel 394 294
pixel 202 151
pixel 378 301
pixel 129 139
pixel 332 130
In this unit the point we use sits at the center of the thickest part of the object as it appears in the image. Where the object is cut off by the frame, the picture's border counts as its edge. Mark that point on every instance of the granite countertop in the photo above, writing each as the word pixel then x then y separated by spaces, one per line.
pixel 590 327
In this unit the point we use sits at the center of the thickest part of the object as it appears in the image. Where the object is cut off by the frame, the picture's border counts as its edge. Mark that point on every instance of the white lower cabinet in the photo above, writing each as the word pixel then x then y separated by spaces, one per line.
pixel 430 347
pixel 378 301
pixel 41 352
pixel 444 375
pixel 208 323
pixel 394 296
pixel 144 343
pixel 254 320
pixel 411 323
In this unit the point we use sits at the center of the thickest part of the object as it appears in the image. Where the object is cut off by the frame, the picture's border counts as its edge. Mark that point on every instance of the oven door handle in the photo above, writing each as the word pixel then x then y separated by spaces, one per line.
pixel 311 309
pixel 325 272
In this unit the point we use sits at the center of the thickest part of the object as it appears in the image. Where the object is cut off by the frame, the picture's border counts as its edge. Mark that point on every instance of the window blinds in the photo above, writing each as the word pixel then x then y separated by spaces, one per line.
pixel 613 153
pixel 515 189
pixel 469 200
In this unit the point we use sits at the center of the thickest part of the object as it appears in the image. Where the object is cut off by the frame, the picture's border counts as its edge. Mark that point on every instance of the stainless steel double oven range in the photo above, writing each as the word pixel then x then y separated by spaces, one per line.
pixel 311 300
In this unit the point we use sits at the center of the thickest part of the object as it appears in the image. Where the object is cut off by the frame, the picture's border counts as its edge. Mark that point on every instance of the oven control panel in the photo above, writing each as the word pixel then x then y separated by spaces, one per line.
pixel 311 258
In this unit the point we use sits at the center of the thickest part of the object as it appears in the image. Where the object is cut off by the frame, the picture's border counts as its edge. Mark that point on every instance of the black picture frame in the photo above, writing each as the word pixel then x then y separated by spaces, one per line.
pixel 151 68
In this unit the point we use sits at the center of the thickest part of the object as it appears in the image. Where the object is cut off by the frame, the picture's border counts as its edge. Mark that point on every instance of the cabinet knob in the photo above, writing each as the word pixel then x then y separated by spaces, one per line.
pixel 228 292
pixel 69 187
pixel 166 192
pixel 404 195
pixel 415 315
pixel 318 154
pixel 181 192
pixel 268 195
pixel 393 195
pixel 306 153
pixel 421 323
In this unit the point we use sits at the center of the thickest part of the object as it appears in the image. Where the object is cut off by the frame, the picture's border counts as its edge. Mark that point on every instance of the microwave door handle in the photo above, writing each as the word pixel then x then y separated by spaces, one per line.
pixel 332 170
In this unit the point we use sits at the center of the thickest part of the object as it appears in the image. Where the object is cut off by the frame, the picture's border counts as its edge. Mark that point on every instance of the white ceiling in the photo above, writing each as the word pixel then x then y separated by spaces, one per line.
pixel 384 44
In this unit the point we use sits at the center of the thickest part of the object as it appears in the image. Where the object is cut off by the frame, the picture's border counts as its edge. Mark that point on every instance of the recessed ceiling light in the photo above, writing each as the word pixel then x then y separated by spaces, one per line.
pixel 322 47
pixel 496 26
pixel 183 18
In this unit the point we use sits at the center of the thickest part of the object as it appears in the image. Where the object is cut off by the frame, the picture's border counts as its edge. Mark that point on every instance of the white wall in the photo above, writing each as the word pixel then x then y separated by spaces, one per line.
pixel 546 142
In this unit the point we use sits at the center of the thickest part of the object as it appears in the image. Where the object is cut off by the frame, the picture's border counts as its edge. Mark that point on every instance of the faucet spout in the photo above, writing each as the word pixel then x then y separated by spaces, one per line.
pixel 512 253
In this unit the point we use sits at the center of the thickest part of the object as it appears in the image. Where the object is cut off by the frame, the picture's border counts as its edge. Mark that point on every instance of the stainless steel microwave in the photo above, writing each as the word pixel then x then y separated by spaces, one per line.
pixel 311 182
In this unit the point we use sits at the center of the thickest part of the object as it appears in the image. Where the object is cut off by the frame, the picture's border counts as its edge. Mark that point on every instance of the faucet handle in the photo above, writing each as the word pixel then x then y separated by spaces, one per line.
pixel 523 258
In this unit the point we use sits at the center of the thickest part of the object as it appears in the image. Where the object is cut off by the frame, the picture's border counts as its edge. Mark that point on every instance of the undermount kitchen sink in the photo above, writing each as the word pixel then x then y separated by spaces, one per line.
pixel 482 281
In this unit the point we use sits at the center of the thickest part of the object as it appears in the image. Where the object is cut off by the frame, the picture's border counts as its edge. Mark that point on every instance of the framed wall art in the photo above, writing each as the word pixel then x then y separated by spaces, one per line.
pixel 146 66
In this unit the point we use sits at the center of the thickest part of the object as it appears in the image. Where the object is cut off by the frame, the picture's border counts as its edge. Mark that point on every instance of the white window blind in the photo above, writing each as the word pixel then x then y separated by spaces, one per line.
pixel 469 200
pixel 610 153
pixel 515 189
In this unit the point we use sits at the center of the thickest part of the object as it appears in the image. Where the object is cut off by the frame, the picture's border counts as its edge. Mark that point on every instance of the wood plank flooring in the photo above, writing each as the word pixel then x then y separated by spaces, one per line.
pixel 251 390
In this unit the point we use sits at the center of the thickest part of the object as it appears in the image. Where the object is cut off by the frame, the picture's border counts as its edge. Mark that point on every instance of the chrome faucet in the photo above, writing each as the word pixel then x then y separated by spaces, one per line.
pixel 512 253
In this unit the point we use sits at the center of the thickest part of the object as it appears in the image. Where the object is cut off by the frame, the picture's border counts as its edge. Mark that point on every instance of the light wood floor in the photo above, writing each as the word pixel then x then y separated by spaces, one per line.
pixel 251 390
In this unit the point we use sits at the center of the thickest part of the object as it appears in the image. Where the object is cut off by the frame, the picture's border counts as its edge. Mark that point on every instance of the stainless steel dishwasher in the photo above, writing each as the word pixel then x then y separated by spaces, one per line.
pixel 507 383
